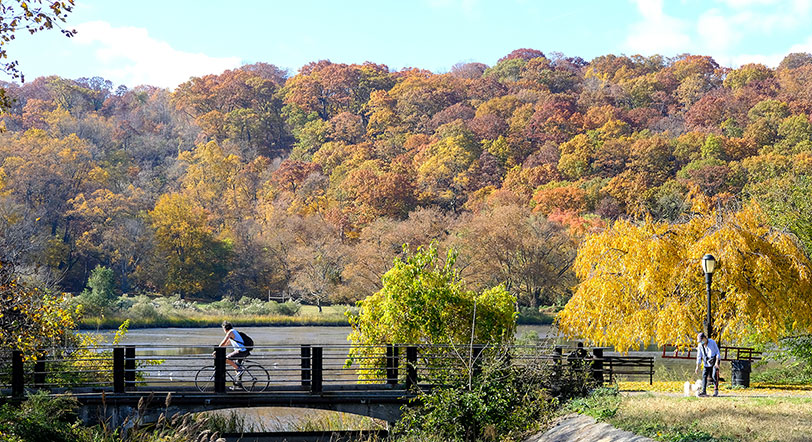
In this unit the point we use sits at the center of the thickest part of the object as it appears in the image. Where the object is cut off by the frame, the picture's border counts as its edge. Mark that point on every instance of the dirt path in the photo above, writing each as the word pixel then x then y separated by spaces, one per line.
pixel 580 428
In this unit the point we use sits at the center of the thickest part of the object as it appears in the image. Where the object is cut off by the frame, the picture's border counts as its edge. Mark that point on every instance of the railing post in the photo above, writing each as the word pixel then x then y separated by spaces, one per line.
pixel 392 356
pixel 388 361
pixel 129 367
pixel 477 360
pixel 39 374
pixel 411 367
pixel 17 374
pixel 316 372
pixel 558 361
pixel 118 369
pixel 220 370
pixel 305 365
pixel 597 365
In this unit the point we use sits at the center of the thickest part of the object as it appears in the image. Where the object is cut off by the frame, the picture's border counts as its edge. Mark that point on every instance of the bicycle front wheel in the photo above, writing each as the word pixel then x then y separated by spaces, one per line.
pixel 255 378
pixel 204 379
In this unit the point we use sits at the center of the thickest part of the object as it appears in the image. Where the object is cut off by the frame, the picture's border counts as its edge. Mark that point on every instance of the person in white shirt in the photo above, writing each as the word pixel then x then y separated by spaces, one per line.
pixel 235 339
pixel 707 354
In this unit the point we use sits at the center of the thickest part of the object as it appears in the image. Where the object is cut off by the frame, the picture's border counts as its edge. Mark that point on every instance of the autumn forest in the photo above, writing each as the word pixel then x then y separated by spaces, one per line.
pixel 257 181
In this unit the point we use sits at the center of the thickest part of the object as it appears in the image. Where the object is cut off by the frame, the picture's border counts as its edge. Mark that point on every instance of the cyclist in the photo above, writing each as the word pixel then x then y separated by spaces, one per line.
pixel 236 357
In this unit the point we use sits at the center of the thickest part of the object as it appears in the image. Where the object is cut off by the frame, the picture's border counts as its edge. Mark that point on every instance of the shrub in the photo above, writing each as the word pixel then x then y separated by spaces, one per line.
pixel 287 308
pixel 601 404
pixel 503 403
pixel 144 309
pixel 40 419
pixel 100 292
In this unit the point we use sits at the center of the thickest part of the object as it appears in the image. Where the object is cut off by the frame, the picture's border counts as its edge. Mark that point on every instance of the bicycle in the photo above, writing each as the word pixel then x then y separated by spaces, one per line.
pixel 254 377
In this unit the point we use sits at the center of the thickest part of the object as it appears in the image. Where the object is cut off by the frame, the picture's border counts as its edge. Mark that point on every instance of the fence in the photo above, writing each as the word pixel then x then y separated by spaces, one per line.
pixel 293 368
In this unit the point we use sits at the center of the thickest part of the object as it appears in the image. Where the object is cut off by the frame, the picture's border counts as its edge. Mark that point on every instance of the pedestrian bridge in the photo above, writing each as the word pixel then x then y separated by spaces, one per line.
pixel 114 382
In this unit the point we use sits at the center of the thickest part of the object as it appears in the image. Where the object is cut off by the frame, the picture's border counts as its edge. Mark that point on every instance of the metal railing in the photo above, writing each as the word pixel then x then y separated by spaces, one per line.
pixel 727 353
pixel 285 368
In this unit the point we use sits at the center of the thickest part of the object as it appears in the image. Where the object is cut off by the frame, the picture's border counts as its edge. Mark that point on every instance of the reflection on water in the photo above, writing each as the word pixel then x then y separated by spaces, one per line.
pixel 211 336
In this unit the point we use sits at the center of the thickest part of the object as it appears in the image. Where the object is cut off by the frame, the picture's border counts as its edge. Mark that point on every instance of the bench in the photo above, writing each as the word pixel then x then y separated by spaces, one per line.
pixel 629 366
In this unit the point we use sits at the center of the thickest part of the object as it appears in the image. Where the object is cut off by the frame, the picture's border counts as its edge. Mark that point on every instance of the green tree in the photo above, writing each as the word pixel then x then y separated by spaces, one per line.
pixel 100 291
pixel 788 203
pixel 424 300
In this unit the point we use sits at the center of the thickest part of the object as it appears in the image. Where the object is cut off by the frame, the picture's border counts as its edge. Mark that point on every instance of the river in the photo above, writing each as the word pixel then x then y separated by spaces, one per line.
pixel 313 335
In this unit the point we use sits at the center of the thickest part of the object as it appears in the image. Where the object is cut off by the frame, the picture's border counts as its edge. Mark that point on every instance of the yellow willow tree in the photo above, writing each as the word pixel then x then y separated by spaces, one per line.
pixel 643 281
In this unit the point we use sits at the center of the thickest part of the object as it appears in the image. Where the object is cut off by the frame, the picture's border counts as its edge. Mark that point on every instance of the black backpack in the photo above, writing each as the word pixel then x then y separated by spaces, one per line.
pixel 247 342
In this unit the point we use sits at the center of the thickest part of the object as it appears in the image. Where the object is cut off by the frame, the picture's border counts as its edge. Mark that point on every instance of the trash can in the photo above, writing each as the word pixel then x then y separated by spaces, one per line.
pixel 740 373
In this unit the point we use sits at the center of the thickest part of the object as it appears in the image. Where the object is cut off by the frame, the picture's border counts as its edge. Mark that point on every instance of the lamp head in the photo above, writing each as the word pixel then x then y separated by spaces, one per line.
pixel 708 264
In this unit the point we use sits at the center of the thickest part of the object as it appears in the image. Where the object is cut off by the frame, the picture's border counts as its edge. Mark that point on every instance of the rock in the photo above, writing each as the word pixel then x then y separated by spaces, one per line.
pixel 580 428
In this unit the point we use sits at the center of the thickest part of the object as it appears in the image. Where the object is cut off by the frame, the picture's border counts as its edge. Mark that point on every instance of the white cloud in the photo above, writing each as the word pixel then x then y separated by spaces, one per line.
pixel 128 55
pixel 717 32
pixel 720 31
pixel 657 33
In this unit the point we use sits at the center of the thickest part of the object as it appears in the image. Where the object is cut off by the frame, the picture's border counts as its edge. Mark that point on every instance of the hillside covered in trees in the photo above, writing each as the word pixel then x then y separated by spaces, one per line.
pixel 256 181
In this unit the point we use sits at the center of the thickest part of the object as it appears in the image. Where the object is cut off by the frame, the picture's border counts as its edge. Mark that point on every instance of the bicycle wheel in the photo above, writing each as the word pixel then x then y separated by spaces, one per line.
pixel 255 378
pixel 204 379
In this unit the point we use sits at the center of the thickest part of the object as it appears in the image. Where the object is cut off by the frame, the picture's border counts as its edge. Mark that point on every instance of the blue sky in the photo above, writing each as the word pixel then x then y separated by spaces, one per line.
pixel 165 42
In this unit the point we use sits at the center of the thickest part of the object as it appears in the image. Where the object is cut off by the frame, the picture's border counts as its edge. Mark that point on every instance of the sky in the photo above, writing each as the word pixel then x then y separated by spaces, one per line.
pixel 165 42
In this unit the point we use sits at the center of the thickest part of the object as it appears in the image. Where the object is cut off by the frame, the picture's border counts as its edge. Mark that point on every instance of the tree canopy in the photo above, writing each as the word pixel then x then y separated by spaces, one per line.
pixel 424 300
pixel 346 162
pixel 642 281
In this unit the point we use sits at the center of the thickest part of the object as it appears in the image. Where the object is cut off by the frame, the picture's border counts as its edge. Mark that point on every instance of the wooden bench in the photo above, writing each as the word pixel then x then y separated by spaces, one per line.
pixel 629 366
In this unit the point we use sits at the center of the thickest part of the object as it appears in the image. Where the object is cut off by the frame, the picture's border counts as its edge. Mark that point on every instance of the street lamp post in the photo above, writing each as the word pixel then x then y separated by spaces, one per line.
pixel 708 266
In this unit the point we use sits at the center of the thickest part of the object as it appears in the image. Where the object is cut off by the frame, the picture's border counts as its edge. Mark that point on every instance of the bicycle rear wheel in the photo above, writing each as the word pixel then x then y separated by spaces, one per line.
pixel 255 378
pixel 204 379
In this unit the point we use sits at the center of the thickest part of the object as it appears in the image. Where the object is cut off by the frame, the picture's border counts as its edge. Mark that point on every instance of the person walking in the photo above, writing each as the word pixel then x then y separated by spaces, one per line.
pixel 707 355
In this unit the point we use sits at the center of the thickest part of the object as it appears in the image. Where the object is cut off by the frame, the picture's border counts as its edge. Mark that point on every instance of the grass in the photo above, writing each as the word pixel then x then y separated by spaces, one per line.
pixel 678 419
pixel 724 387
pixel 307 315
pixel 156 312
pixel 529 316
pixel 334 421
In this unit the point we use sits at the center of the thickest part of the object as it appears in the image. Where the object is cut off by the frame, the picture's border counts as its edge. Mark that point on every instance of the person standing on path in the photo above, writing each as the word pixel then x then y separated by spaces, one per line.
pixel 707 354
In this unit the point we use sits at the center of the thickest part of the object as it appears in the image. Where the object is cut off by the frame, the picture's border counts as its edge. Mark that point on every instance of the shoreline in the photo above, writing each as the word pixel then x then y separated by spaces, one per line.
pixel 92 324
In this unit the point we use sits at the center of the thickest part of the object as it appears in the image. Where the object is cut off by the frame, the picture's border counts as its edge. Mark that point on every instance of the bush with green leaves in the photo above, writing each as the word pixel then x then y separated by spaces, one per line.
pixel 287 308
pixel 423 300
pixel 41 419
pixel 100 292
pixel 795 357
pixel 505 402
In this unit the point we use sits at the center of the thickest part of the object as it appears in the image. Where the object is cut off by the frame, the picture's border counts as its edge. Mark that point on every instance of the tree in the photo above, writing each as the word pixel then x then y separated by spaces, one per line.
pixel 33 16
pixel 316 260
pixel 641 282
pixel 30 319
pixel 424 301
pixel 196 262
pixel 788 202
pixel 509 245
pixel 100 291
